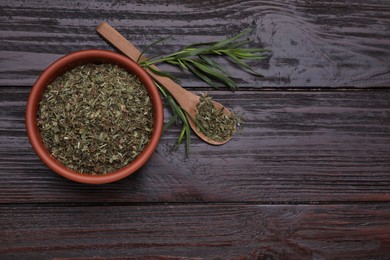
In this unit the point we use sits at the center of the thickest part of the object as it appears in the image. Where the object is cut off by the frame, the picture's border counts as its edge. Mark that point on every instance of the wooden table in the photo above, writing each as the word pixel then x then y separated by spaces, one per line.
pixel 308 177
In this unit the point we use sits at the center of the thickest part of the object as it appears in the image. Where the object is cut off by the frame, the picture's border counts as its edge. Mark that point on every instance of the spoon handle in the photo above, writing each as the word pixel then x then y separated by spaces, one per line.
pixel 186 99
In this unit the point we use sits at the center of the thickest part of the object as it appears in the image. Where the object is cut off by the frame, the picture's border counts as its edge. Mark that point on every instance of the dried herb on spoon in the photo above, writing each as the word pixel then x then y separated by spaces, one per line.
pixel 214 122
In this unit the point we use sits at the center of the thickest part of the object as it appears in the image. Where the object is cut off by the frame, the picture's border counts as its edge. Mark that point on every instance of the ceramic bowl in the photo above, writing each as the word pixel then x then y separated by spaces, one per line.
pixel 69 62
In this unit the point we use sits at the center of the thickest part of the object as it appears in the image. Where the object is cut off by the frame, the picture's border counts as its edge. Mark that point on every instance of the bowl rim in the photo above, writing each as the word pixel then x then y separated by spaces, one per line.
pixel 70 61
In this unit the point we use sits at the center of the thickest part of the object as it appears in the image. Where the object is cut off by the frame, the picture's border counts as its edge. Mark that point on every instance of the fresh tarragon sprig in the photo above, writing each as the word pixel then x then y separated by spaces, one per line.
pixel 199 59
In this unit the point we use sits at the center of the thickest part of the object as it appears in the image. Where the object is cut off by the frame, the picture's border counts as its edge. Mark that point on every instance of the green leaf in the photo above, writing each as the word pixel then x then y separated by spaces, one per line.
pixel 178 63
pixel 244 65
pixel 212 63
pixel 170 122
pixel 235 45
pixel 244 54
pixel 232 39
pixel 252 50
pixel 217 74
pixel 177 113
pixel 162 73
pixel 151 45
pixel 202 76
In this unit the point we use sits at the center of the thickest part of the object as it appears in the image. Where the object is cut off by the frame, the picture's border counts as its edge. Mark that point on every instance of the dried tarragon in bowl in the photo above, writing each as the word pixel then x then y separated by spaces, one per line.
pixel 95 119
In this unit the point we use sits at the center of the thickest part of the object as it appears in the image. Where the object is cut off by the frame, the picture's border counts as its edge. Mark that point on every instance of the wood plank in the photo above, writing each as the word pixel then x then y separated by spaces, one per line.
pixel 227 231
pixel 295 147
pixel 314 43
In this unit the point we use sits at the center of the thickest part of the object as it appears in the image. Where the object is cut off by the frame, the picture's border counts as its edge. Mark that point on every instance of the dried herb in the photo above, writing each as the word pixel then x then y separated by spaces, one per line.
pixel 95 119
pixel 214 122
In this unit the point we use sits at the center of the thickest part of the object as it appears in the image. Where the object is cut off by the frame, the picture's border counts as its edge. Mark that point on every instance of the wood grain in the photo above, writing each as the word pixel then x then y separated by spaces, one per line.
pixel 226 231
pixel 296 147
pixel 314 43
pixel 307 178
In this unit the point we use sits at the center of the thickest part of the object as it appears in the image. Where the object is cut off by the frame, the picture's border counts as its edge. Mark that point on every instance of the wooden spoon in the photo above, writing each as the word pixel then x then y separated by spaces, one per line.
pixel 187 100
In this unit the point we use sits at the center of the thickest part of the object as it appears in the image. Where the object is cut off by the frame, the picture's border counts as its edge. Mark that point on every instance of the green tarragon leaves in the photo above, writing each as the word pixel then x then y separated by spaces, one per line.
pixel 198 59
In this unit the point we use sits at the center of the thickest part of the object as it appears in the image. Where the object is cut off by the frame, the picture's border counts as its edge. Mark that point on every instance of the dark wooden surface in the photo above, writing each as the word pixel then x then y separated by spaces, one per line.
pixel 307 178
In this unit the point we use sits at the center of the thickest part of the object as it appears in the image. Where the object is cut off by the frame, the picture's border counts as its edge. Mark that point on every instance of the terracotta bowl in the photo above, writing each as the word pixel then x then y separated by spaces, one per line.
pixel 69 62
